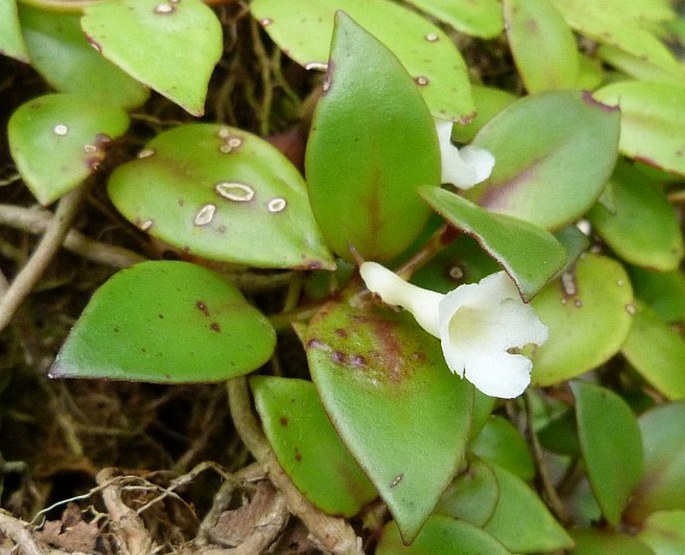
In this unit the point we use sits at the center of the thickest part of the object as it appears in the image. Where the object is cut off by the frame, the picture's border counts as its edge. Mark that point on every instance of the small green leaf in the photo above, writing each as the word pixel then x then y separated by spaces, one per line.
pixel 657 241
pixel 362 166
pixel 560 435
pixel 664 532
pixel 499 442
pixel 60 52
pixel 167 322
pixel 617 23
pixel 440 536
pixel 657 352
pixel 11 40
pixel 58 140
pixel 307 446
pixel 472 496
pixel 543 46
pixel 608 431
pixel 398 409
pixel 663 484
pixel 478 18
pixel 588 313
pixel 303 29
pixel 521 521
pixel 652 122
pixel 489 102
pixel 590 541
pixel 529 254
pixel 170 46
pixel 554 152
pixel 663 291
pixel 223 194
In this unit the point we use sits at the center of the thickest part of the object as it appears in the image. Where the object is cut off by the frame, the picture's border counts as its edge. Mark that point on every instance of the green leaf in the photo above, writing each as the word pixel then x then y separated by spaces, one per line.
pixel 617 23
pixel 529 254
pixel 472 496
pixel 590 307
pixel 223 194
pixel 478 18
pixel 638 68
pixel 592 542
pixel 489 102
pixel 170 46
pixel 307 446
pixel 590 72
pixel 543 46
pixel 664 292
pixel 396 406
pixel 167 322
pixel 60 52
pixel 439 536
pixel 656 242
pixel 663 484
pixel 657 352
pixel 499 442
pixel 521 521
pixel 303 29
pixel 362 165
pixel 11 40
pixel 560 435
pixel 58 140
pixel 652 122
pixel 664 532
pixel 553 176
pixel 606 428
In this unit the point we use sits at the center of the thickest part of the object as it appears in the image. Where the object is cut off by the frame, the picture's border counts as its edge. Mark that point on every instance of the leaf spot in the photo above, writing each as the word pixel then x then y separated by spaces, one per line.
pixel 630 308
pixel 215 326
pixel 421 81
pixel 205 215
pixel 147 224
pixel 265 22
pixel 238 192
pixel 396 480
pixel 60 130
pixel 164 9
pixel 277 204
pixel 432 37
pixel 283 421
pixel 146 153
pixel 455 273
pixel 202 307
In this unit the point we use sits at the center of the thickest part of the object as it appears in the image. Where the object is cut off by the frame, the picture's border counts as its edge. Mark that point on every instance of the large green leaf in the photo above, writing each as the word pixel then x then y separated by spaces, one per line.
pixel 166 322
pixel 656 242
pixel 11 40
pixel 657 352
pixel 590 541
pixel 60 52
pixel 652 122
pixel 554 152
pixel 303 29
pixel 663 484
pixel 588 313
pixel 224 194
pixel 396 406
pixel 636 67
pixel 521 521
pixel 529 254
pixel 543 46
pixel 479 18
pixel 307 446
pixel 440 535
pixel 608 432
pixel 58 140
pixel 362 165
pixel 171 46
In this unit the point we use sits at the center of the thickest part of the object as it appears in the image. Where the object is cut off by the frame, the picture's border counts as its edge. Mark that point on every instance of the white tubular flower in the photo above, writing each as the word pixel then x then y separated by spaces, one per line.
pixel 462 168
pixel 477 325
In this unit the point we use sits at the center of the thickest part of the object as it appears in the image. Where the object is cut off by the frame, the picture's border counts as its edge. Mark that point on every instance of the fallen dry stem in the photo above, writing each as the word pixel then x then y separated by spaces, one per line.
pixel 37 220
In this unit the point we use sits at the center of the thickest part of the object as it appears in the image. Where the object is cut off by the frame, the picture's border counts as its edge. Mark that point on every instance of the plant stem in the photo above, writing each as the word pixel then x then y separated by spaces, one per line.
pixel 441 238
pixel 334 534
pixel 48 246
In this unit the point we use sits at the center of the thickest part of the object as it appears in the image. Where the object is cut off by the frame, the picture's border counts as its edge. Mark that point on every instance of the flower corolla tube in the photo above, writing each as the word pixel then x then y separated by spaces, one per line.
pixel 478 325
pixel 462 168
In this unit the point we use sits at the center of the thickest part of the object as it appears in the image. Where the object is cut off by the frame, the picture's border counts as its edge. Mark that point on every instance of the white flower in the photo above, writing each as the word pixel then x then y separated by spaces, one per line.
pixel 462 168
pixel 477 324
